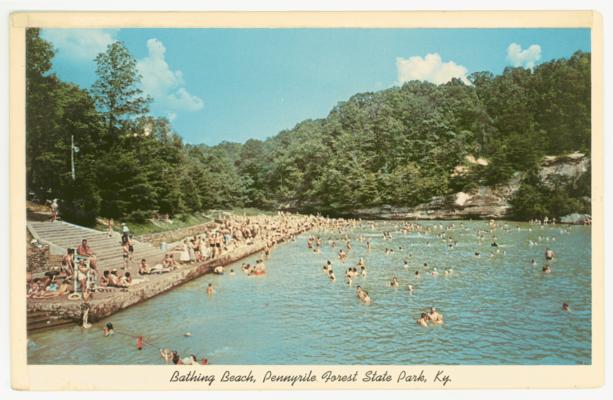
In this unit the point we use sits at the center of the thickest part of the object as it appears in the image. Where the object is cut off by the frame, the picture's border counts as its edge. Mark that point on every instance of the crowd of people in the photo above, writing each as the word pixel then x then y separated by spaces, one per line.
pixel 444 232
pixel 79 270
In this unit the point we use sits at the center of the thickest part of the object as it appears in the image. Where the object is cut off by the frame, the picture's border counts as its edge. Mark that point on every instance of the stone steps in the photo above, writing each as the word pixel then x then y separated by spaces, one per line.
pixel 108 250
pixel 42 320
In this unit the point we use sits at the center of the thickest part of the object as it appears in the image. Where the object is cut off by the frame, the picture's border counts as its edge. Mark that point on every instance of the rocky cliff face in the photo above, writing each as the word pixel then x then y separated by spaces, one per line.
pixel 484 202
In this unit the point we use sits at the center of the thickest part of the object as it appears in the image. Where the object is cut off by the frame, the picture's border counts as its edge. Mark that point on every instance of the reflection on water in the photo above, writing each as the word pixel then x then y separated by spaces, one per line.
pixel 498 310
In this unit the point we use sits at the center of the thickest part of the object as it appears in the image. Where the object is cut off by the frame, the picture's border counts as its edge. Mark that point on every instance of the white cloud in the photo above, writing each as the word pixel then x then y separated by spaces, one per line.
pixel 80 44
pixel 430 68
pixel 523 58
pixel 166 86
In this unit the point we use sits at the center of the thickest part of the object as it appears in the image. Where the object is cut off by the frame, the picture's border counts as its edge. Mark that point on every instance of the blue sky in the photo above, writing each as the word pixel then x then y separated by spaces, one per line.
pixel 236 84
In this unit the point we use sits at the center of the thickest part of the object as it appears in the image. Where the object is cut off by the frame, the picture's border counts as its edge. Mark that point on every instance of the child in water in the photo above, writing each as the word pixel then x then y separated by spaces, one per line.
pixel 108 329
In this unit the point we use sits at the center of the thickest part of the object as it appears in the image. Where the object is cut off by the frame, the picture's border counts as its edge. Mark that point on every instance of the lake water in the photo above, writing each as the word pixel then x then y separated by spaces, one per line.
pixel 498 309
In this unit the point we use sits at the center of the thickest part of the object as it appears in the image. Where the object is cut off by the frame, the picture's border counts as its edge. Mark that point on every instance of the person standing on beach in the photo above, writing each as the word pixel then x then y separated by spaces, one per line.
pixel 126 255
pixel 54 207
pixel 109 226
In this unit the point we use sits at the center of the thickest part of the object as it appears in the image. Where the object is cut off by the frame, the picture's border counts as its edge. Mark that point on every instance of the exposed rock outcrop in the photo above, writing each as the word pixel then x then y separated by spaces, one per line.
pixel 484 202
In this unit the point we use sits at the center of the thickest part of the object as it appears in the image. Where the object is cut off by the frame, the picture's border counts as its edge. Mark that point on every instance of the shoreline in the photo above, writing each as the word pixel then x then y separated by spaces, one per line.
pixel 105 304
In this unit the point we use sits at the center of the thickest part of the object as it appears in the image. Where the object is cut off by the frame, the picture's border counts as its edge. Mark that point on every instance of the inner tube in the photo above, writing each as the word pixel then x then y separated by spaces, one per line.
pixel 74 296
pixel 259 272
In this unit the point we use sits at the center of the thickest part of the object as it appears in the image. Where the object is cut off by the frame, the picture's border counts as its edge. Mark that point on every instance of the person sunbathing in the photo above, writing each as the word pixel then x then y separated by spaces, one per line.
pixel 125 280
pixel 104 279
pixel 37 289
pixel 55 290
pixel 85 251
pixel 113 279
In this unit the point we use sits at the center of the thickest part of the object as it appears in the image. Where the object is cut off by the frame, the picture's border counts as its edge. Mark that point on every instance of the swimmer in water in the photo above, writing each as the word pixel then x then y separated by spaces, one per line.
pixel 406 264
pixel 410 288
pixel 166 355
pixel 417 274
pixel 108 329
pixel 434 272
pixel 232 272
pixel 331 276
pixel 348 280
pixel 423 320
pixel 549 254
pixel 533 262
pixel 210 290
pixel 362 295
pixel 394 282
pixel 547 269
pixel 435 316
pixel 477 254
pixel 565 307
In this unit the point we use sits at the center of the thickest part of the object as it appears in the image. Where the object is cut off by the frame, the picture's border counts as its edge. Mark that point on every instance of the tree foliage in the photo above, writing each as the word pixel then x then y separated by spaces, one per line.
pixel 398 147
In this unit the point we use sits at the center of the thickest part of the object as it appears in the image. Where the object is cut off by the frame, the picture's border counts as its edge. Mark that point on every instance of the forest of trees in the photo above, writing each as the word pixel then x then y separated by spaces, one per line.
pixel 394 147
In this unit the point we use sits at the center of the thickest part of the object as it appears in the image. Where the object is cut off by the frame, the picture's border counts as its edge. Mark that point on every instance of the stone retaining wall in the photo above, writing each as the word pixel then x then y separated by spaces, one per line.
pixel 102 308
pixel 40 259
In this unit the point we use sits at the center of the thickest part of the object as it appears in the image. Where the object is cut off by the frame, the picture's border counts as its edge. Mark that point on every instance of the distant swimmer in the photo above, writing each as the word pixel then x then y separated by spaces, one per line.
pixel 410 288
pixel 232 272
pixel 394 282
pixel 417 274
pixel 494 243
pixel 406 264
pixel 547 269
pixel 565 307
pixel 435 316
pixel 348 280
pixel 533 262
pixel 477 254
pixel 108 329
pixel 331 276
pixel 549 254
pixel 434 272
pixel 423 319
pixel 210 290
pixel 363 271
pixel 362 295
pixel 166 355
pixel 327 266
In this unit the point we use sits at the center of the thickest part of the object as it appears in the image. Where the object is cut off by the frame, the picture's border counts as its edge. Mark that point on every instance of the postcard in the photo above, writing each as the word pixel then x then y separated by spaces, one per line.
pixel 306 200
